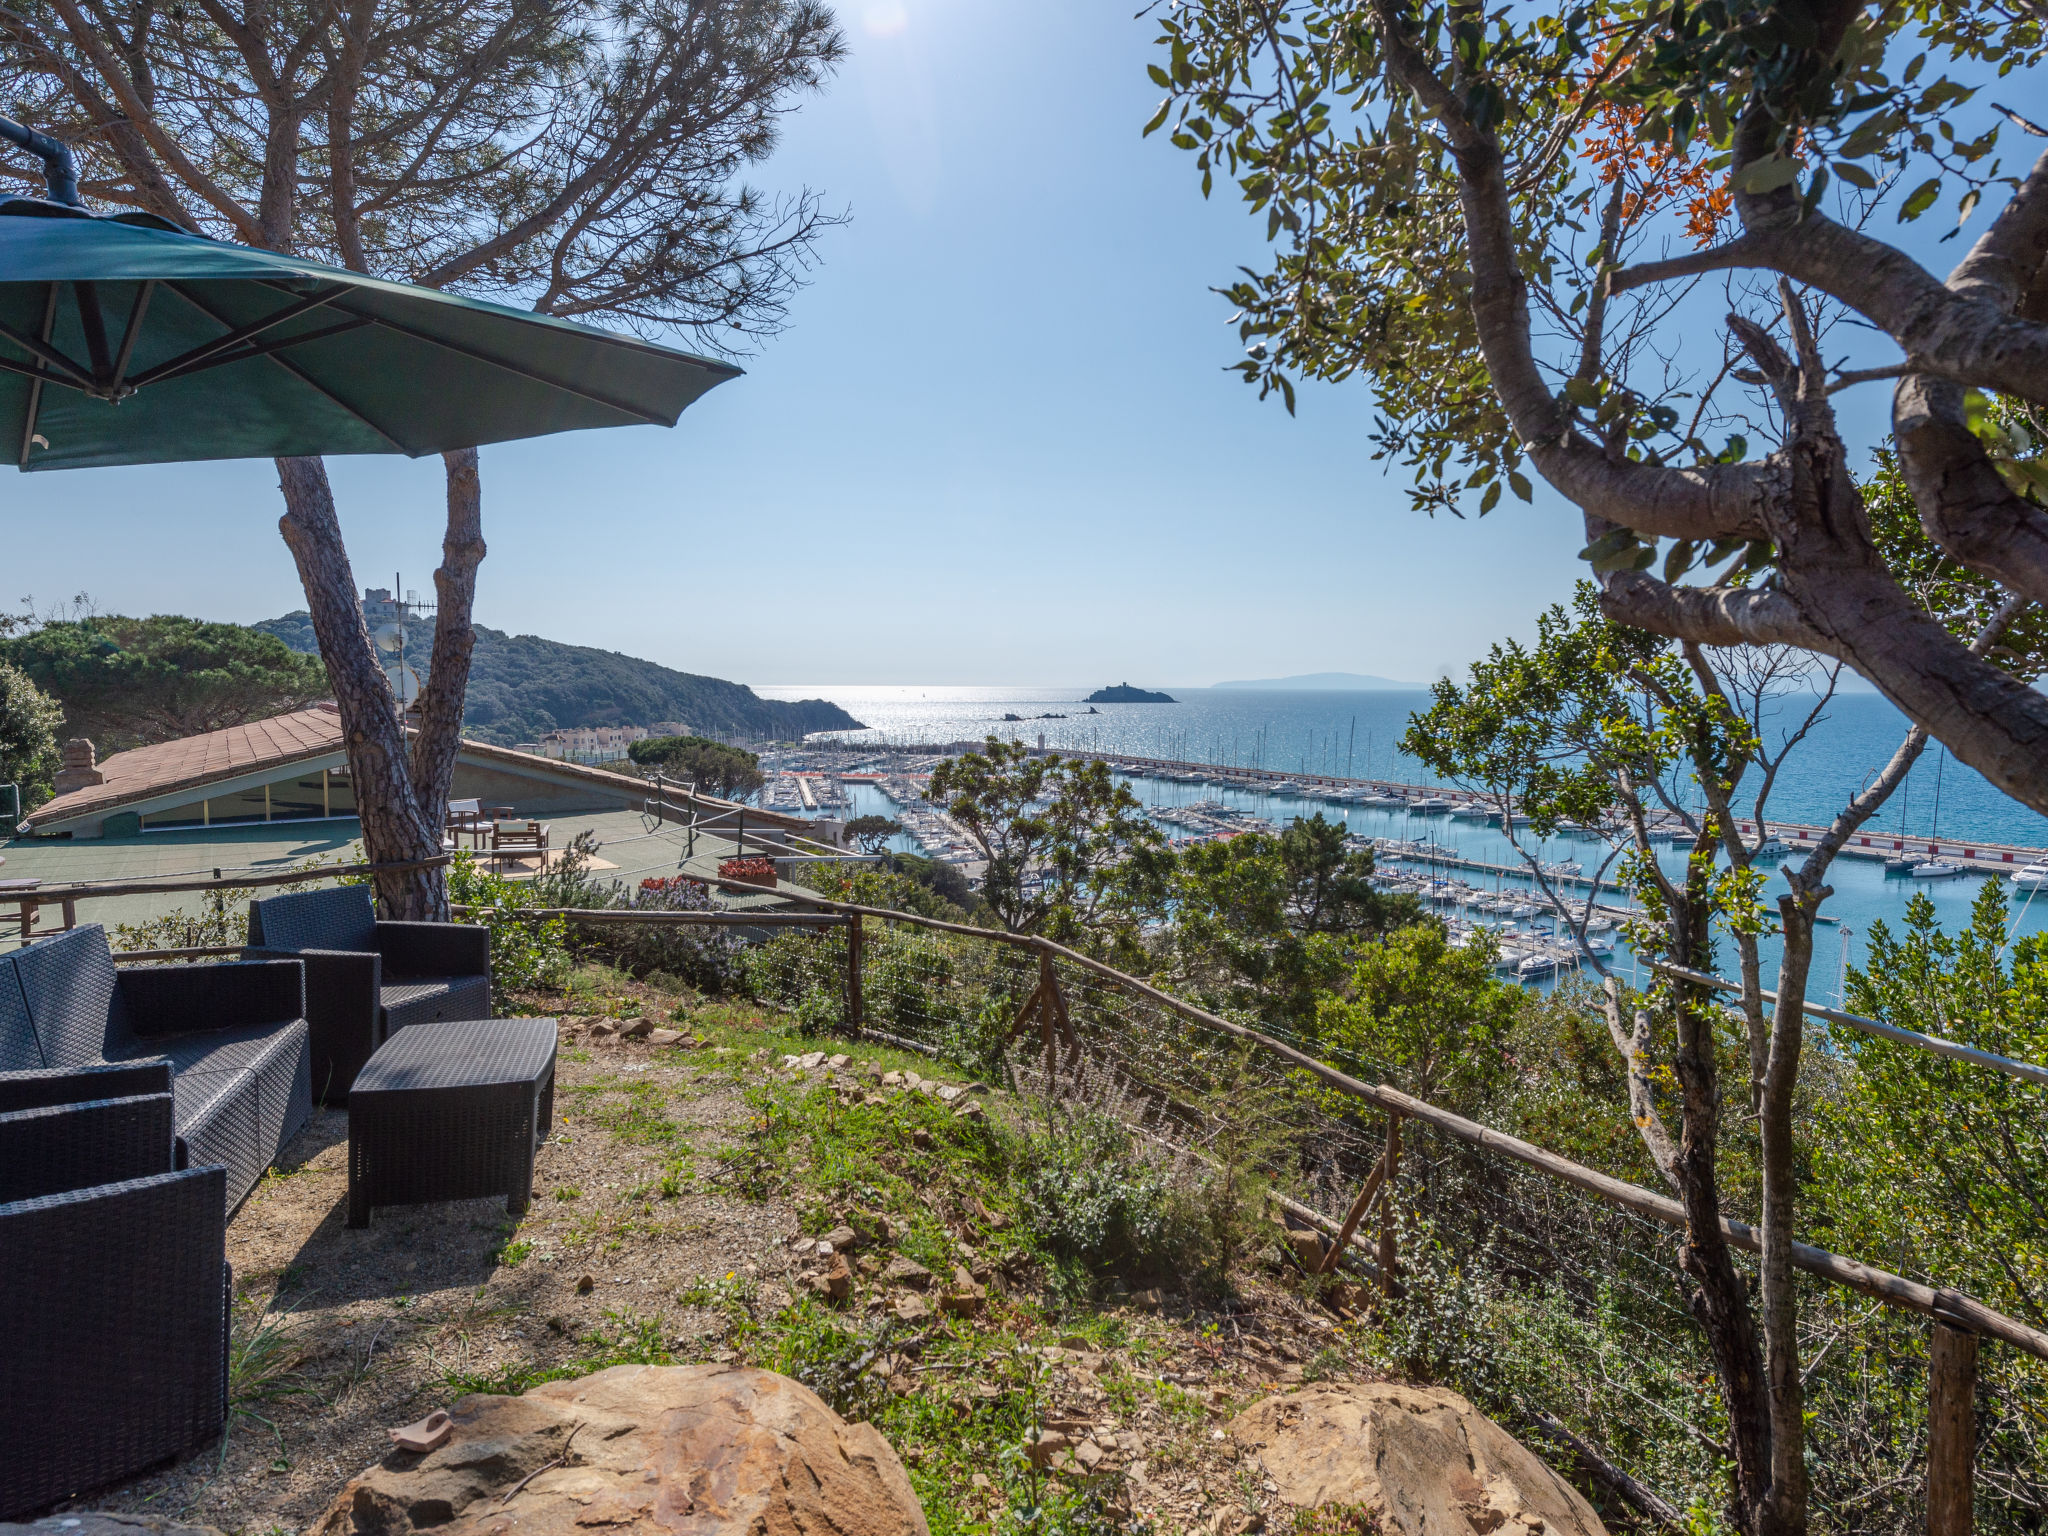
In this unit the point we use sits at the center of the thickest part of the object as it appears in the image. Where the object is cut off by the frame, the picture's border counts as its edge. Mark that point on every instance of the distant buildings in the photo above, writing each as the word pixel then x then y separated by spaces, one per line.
pixel 591 743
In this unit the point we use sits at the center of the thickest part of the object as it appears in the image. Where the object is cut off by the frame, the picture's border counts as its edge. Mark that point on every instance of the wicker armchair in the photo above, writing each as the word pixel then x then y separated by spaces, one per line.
pixel 116 1288
pixel 234 1036
pixel 365 979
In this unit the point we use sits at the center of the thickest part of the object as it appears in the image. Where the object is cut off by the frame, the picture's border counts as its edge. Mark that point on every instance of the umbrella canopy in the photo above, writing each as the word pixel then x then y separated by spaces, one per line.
pixel 125 340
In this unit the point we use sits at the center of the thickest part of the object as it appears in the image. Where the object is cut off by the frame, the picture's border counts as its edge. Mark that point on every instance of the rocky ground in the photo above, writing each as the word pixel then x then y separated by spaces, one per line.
pixel 732 1193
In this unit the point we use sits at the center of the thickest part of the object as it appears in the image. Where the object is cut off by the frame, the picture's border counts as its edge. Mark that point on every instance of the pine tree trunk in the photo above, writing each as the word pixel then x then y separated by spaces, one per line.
pixel 394 828
pixel 439 718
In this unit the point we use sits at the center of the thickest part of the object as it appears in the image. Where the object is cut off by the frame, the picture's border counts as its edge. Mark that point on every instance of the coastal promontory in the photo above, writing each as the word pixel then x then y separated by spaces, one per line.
pixel 1124 693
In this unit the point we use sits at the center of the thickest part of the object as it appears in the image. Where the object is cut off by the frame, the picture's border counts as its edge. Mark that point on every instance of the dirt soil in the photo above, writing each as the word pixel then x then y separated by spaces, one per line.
pixel 344 1334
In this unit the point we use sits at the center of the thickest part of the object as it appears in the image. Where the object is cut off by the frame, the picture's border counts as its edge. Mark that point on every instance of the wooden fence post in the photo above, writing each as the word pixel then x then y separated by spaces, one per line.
pixel 1352 1218
pixel 854 942
pixel 1951 1431
pixel 1390 1253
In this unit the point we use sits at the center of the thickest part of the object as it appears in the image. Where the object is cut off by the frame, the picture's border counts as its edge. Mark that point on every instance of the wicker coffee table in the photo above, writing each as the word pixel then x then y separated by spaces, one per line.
pixel 451 1111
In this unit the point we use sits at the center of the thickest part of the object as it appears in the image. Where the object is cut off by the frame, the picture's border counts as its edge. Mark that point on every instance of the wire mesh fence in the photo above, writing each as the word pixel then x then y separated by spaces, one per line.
pixel 1534 1297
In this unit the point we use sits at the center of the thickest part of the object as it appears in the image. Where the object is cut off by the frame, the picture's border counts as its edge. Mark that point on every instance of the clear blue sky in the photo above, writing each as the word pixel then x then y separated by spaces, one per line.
pixel 996 445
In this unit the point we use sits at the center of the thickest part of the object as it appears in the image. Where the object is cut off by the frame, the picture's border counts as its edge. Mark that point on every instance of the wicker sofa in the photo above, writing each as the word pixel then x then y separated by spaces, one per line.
pixel 117 1310
pixel 365 979
pixel 234 1035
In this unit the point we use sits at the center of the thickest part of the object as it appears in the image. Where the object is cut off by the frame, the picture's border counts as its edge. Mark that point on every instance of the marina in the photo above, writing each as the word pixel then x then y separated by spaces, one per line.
pixel 1454 851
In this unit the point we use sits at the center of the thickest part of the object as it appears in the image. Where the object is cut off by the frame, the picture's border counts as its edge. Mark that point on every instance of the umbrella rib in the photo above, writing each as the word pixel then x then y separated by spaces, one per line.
pixel 311 383
pixel 525 373
pixel 257 349
pixel 48 354
pixel 35 389
pixel 133 330
pixel 234 337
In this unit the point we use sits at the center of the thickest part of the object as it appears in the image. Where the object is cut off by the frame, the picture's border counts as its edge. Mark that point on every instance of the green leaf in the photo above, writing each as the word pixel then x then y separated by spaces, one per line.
pixel 1922 199
pixel 1160 77
pixel 1582 392
pixel 1490 500
pixel 1158 117
pixel 1766 175
pixel 1967 207
pixel 1611 542
pixel 1520 483
pixel 1679 561
pixel 1855 175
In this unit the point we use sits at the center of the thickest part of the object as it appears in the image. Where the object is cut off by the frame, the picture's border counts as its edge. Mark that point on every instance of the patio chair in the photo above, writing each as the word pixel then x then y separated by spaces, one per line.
pixel 465 819
pixel 234 1038
pixel 519 838
pixel 116 1287
pixel 365 979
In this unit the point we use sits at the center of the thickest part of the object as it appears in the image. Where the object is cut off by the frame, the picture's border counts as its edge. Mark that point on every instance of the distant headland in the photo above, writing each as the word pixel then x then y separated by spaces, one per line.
pixel 1322 682
pixel 1124 693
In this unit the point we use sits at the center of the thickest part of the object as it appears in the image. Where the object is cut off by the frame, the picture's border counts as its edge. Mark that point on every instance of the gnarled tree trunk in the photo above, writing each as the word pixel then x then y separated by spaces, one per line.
pixel 439 717
pixel 396 829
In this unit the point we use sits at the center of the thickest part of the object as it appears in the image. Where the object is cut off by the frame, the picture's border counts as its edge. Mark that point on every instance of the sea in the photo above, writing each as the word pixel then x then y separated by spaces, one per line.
pixel 1358 734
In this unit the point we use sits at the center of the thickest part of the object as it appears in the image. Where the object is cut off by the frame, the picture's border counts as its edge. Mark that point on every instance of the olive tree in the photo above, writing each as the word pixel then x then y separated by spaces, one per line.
pixel 1503 223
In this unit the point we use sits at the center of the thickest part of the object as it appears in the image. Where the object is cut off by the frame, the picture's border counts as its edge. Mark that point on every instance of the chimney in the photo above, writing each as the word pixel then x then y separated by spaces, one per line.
pixel 80 767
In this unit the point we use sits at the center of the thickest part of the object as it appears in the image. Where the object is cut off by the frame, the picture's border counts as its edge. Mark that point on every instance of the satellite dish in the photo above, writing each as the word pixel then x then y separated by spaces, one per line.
pixel 389 637
pixel 406 684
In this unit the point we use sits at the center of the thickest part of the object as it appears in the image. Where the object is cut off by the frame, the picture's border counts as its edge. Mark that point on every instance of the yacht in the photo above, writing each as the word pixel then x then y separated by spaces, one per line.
pixel 1936 869
pixel 1535 965
pixel 1434 803
pixel 1904 863
pixel 2031 878
pixel 1564 867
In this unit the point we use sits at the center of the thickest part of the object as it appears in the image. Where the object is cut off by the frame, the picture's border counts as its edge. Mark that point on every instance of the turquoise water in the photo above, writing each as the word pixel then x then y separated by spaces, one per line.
pixel 1357 733
pixel 1314 732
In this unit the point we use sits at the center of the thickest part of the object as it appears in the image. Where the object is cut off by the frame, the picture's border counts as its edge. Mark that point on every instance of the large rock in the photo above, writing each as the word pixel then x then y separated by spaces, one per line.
pixel 684 1450
pixel 1423 1460
pixel 99 1523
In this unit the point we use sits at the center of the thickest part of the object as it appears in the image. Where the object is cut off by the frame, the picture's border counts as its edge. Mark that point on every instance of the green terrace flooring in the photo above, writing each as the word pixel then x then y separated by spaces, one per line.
pixel 637 847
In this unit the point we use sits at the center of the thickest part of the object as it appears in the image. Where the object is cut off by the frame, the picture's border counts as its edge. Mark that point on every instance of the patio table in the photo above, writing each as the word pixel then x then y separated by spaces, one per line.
pixel 451 1111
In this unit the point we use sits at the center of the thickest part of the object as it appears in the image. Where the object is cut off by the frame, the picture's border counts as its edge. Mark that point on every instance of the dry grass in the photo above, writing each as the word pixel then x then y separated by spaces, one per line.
pixel 641 1244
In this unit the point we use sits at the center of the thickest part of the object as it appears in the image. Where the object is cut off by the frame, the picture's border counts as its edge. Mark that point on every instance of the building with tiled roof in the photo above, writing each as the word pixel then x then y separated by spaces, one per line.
pixel 292 768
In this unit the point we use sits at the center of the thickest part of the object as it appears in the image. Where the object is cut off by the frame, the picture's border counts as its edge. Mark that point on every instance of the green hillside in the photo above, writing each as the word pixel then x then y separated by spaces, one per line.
pixel 521 686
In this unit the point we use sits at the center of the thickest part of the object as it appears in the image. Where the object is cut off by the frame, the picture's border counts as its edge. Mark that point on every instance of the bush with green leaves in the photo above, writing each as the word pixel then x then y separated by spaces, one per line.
pixel 29 721
pixel 526 953
pixel 1090 1199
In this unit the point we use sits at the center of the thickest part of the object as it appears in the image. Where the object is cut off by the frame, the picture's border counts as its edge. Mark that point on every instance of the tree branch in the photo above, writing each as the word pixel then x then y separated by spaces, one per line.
pixel 1965 505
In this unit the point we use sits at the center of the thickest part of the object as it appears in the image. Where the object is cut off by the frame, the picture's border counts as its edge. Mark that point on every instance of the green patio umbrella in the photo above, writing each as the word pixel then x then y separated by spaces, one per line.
pixel 126 340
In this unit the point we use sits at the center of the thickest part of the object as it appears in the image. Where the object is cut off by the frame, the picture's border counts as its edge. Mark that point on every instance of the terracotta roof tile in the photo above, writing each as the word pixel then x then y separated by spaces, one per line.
pixel 193 761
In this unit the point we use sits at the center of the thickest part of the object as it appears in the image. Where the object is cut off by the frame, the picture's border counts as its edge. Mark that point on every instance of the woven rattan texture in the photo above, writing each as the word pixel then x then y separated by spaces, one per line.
pixel 75 1146
pixel 74 999
pixel 19 1051
pixel 451 1111
pixel 339 917
pixel 116 1305
pixel 220 1121
pixel 233 1023
pixel 112 1080
pixel 443 998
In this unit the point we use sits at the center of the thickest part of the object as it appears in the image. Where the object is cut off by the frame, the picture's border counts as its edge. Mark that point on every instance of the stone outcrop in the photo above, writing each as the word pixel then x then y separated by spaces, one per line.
pixel 687 1450
pixel 1423 1460
pixel 97 1523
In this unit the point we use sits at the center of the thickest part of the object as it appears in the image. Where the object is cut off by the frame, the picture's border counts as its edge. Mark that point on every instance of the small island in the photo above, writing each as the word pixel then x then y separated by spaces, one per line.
pixel 1124 693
